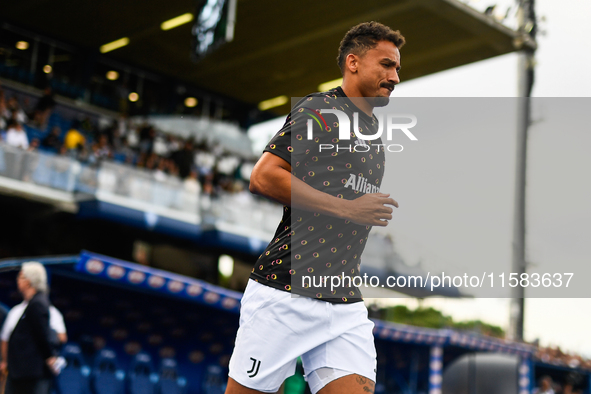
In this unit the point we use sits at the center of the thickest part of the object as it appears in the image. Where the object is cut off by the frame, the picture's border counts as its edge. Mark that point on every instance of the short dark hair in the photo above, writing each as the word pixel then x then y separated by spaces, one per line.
pixel 365 36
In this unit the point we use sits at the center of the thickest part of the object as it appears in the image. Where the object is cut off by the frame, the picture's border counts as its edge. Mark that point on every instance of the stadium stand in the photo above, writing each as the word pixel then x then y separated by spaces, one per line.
pixel 118 313
pixel 136 329
pixel 114 138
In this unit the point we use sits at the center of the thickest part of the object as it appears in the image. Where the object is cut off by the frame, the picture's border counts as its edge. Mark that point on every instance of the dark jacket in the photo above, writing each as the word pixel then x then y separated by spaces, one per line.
pixel 29 345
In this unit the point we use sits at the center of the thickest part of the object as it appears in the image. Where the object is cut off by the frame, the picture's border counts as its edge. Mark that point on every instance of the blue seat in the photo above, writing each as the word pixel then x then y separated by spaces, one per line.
pixel 74 378
pixel 214 381
pixel 107 377
pixel 141 376
pixel 170 381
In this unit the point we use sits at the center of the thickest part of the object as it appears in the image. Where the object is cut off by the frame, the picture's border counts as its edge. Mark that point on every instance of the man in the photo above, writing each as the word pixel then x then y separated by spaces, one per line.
pixel 43 108
pixel 30 354
pixel 545 386
pixel 327 217
pixel 74 138
pixel 16 135
pixel 52 140
pixel 57 327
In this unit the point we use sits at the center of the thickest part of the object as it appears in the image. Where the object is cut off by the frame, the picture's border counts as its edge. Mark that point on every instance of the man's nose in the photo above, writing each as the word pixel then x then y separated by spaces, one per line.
pixel 394 78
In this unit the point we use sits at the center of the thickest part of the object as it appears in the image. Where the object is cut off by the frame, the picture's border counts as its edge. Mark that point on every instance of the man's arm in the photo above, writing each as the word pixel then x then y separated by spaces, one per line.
pixel 4 354
pixel 56 322
pixel 271 178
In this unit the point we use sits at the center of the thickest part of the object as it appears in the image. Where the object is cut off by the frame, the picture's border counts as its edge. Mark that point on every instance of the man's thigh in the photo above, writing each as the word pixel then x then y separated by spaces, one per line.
pixel 350 384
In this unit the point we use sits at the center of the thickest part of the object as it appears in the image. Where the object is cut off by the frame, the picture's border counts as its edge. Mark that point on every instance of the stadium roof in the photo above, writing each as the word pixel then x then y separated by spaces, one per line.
pixel 277 50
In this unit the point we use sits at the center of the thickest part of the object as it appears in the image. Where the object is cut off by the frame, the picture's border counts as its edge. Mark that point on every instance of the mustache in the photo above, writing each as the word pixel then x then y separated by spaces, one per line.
pixel 388 85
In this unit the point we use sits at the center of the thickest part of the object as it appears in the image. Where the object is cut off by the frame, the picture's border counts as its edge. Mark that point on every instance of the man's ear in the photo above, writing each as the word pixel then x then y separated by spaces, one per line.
pixel 351 63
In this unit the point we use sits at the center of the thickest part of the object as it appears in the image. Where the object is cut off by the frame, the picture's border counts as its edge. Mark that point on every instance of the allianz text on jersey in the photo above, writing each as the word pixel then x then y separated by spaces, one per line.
pixel 360 145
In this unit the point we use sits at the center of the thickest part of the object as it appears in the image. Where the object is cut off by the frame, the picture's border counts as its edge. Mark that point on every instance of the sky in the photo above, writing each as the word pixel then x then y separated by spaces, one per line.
pixel 557 195
pixel 554 180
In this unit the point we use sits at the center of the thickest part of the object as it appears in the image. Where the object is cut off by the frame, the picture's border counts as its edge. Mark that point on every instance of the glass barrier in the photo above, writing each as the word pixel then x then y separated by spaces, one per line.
pixel 149 187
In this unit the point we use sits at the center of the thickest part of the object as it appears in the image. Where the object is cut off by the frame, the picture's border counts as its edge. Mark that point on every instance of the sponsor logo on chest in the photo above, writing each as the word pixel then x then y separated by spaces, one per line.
pixel 361 184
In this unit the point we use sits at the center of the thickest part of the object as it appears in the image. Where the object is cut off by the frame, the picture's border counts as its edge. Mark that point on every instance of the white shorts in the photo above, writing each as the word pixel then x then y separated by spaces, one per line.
pixel 276 328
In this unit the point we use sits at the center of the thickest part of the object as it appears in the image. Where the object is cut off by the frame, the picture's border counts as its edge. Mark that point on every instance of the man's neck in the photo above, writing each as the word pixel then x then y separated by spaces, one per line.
pixel 354 95
pixel 29 293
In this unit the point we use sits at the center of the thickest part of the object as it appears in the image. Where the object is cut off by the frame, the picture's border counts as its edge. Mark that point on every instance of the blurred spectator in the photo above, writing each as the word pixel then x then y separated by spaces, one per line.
pixel 92 156
pixel 208 188
pixel 73 139
pixel 122 125
pixel 87 127
pixel 28 354
pixel 3 110
pixel 545 386
pixel 43 109
pixel 80 153
pixel 16 136
pixel 184 159
pixel 52 140
pixel 172 144
pixel 171 167
pixel 125 153
pixel 34 145
pixel 92 141
pixel 103 150
pixel 160 146
pixel 152 162
pixel 205 161
pixel 132 138
pixel 115 139
pixel 190 184
pixel 147 135
pixel 160 173
pixel 15 112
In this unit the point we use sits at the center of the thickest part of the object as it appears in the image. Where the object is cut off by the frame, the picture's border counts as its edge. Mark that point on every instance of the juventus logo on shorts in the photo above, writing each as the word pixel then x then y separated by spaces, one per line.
pixel 255 368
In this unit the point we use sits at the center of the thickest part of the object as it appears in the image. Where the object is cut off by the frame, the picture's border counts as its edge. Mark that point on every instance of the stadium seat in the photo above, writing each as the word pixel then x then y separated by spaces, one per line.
pixel 141 376
pixel 107 378
pixel 214 381
pixel 74 378
pixel 170 382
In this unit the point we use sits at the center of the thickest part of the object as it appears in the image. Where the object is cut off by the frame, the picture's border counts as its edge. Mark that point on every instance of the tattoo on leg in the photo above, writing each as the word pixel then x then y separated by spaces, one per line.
pixel 369 388
pixel 361 380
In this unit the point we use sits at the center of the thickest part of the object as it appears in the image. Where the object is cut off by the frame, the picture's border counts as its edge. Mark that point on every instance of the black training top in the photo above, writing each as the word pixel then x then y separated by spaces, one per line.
pixel 309 249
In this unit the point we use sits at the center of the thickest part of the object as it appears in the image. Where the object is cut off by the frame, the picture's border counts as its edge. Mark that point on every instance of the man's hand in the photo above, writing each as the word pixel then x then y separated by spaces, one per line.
pixel 272 178
pixel 371 209
pixel 50 362
pixel 3 367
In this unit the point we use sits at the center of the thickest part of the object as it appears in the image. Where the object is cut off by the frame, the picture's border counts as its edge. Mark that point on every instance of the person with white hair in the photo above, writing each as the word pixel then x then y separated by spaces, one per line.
pixel 29 354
